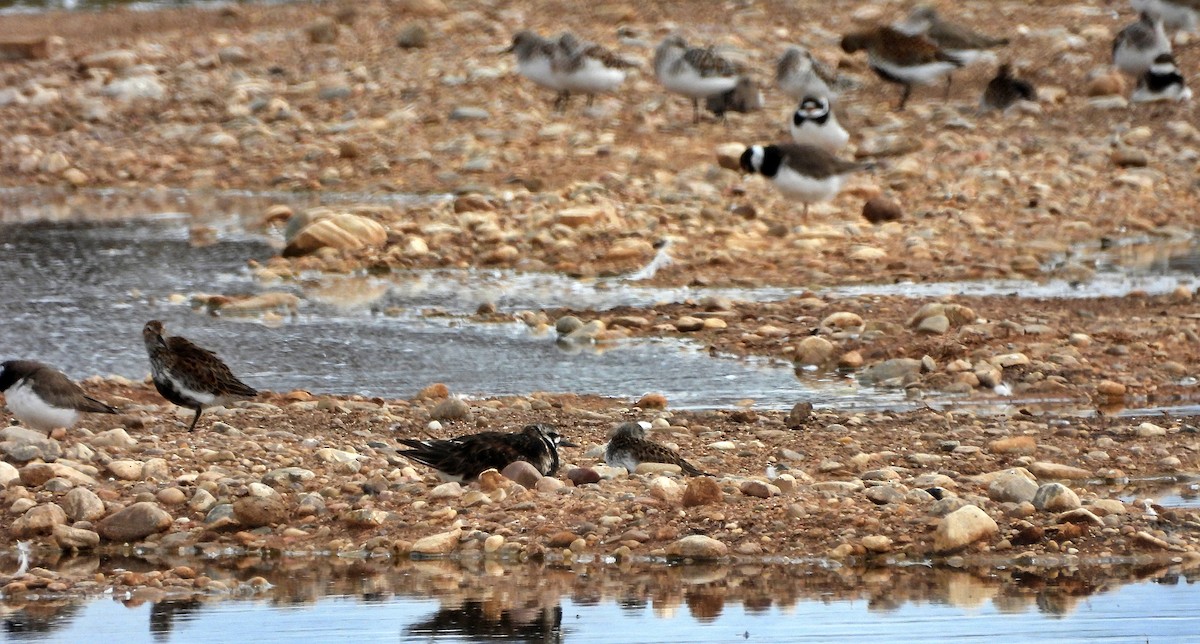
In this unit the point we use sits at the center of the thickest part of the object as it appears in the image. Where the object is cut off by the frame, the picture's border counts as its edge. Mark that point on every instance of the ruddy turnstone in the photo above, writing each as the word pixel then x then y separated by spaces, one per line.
pixel 1004 90
pixel 535 57
pixel 463 458
pixel 805 173
pixel 628 446
pixel 587 68
pixel 43 397
pixel 188 375
pixel 1136 47
pixel 814 123
pixel 799 75
pixel 1175 14
pixel 695 72
pixel 899 58
pixel 1162 82
pixel 745 97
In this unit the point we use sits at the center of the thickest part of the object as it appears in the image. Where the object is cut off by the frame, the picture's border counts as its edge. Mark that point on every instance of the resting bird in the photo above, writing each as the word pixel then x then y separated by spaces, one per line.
pixel 188 375
pixel 587 68
pixel 1004 90
pixel 692 71
pixel 629 446
pixel 43 397
pixel 465 457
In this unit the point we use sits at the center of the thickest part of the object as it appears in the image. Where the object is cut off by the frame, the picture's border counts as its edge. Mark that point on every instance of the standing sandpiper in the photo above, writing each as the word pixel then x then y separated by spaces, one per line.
pixel 188 375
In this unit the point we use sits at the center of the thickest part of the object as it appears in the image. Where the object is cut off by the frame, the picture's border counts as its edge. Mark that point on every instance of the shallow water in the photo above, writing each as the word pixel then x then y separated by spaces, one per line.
pixel 327 599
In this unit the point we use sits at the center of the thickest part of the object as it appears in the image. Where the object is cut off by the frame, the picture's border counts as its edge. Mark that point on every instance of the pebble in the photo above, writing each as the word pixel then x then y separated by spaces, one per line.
pixel 1012 487
pixel 525 474
pixel 134 523
pixel 39 520
pixel 961 528
pixel 698 547
pixel 469 114
pixel 1046 470
pixel 81 504
pixel 583 475
pixel 451 409
pixel 702 490
pixel 877 543
pixel 437 544
pixel 256 511
pixel 71 538
pixel 758 489
pixel 813 351
pixel 885 494
pixel 934 325
pixel 1055 497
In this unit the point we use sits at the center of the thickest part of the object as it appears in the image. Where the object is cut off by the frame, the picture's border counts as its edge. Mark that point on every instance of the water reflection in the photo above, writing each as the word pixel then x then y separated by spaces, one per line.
pixel 488 600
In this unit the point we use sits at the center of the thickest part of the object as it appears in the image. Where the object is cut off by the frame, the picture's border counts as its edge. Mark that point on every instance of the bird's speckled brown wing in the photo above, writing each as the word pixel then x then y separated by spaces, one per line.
pixel 202 370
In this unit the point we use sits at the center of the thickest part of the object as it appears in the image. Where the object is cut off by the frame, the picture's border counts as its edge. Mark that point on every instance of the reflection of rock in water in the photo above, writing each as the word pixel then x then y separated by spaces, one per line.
pixel 36 619
pixel 474 621
pixel 163 614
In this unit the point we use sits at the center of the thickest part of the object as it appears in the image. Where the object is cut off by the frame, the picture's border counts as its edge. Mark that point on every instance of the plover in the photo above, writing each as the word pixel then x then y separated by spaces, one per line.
pixel 628 446
pixel 188 375
pixel 745 97
pixel 805 173
pixel 1175 14
pixel 1162 82
pixel 587 68
pixel 1136 47
pixel 1004 90
pixel 899 58
pixel 799 75
pixel 814 123
pixel 463 458
pixel 42 397
pixel 535 56
pixel 695 72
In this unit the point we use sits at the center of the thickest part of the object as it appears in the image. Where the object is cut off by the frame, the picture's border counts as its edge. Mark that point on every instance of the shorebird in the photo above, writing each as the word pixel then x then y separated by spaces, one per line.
pixel 188 375
pixel 628 446
pixel 463 458
pixel 695 72
pixel 535 56
pixel 43 397
pixel 587 68
pixel 804 173
pixel 1004 90
pixel 814 123
pixel 1136 47
pixel 745 97
pixel 799 75
pixel 899 58
pixel 956 40
pixel 1162 82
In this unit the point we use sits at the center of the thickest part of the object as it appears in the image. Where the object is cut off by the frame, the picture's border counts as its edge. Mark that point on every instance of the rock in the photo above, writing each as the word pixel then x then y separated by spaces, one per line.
pixel 469 114
pixel 665 489
pixel 40 519
pixel 171 496
pixel 1012 487
pixel 583 475
pixel 1110 389
pixel 287 476
pixel 1126 157
pixel 546 484
pixel 1013 445
pixel 451 409
pixel 322 31
pixel 587 333
pixel 366 518
pixel 877 543
pixel 220 516
pixel 654 469
pixel 567 324
pixel 561 539
pixel 125 470
pixel 890 371
pixel 81 504
pixel 428 8
pixel 451 490
pixel 69 538
pixel 1149 430
pixel 651 401
pixel 729 156
pixel 35 474
pixel 884 494
pixel 702 490
pixel 202 501
pixel 114 59
pixel 112 438
pixel 491 480
pixel 934 325
pixel 879 209
pixel 1055 497
pixel 135 89
pixel 258 511
pixel 758 489
pixel 524 473
pixel 813 351
pixel 134 522
pixel 437 544
pixel 414 35
pixel 8 474
pixel 799 415
pixel 697 546
pixel 12 437
pixel 344 462
pixel 1045 470
pixel 842 320
pixel 1106 84
pixel 961 528
pixel 687 324
pixel 341 232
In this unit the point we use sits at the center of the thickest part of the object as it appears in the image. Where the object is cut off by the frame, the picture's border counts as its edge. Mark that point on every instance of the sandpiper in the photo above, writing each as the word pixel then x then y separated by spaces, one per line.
pixel 956 40
pixel 899 58
pixel 1004 91
pixel 799 75
pixel 1136 47
pixel 1175 14
pixel 805 173
pixel 587 68
pixel 43 397
pixel 1162 82
pixel 188 375
pixel 695 72
pixel 814 123
pixel 628 446
pixel 535 56
pixel 463 458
